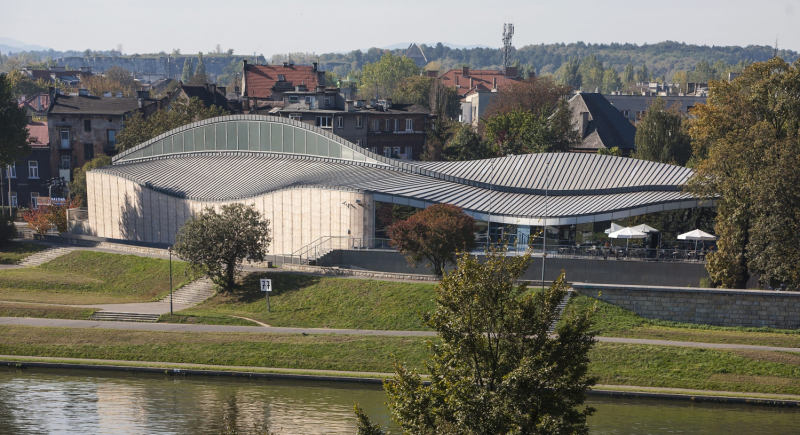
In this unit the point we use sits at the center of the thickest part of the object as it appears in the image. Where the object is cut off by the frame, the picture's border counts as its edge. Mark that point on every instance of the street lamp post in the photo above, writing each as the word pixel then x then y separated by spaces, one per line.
pixel 544 240
pixel 170 280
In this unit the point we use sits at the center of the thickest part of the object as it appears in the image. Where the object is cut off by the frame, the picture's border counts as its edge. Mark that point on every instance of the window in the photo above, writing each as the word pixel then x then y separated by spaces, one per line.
pixel 65 162
pixel 409 152
pixel 409 125
pixel 64 138
pixel 324 121
pixel 359 142
pixel 296 116
pixel 375 125
pixel 12 198
pixel 34 199
pixel 11 171
pixel 396 152
pixel 294 99
pixel 396 125
pixel 112 138
pixel 387 151
pixel 359 122
pixel 33 169
pixel 374 150
pixel 625 113
pixel 308 100
pixel 87 126
pixel 281 78
pixel 388 125
pixel 88 151
pixel 340 122
pixel 327 102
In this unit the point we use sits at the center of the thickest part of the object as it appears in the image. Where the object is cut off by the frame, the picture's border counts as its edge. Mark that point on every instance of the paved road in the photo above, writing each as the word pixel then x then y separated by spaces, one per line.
pixel 175 327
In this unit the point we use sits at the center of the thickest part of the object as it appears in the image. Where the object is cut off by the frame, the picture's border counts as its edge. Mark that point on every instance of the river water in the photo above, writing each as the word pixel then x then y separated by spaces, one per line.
pixel 41 401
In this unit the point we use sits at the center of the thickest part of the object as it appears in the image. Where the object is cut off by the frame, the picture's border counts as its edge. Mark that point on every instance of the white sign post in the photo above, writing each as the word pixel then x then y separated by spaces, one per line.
pixel 266 286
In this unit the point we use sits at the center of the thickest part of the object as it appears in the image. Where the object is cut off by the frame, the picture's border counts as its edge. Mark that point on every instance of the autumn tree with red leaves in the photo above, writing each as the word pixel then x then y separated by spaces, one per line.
pixel 434 234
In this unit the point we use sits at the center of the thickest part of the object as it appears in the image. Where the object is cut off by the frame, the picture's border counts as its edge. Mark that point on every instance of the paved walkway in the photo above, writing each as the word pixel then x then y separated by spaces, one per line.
pixel 177 327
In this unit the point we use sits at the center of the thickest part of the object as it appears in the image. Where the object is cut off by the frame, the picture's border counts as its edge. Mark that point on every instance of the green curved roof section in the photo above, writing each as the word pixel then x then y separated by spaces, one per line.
pixel 249 133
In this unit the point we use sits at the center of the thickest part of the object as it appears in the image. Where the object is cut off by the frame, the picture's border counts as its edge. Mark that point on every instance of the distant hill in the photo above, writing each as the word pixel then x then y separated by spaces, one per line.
pixel 8 45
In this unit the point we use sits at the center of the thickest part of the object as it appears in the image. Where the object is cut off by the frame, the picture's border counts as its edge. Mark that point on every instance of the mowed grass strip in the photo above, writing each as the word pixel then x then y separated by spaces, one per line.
pixel 693 368
pixel 87 277
pixel 44 311
pixel 614 321
pixel 320 302
pixel 205 320
pixel 14 252
pixel 319 352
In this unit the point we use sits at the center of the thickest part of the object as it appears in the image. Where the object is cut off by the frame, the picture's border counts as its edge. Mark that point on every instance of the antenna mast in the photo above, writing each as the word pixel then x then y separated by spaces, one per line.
pixel 508 32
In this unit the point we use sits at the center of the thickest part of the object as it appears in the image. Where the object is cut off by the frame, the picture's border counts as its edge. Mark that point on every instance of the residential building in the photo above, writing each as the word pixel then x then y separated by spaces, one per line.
pixel 263 85
pixel 82 127
pixel 58 74
pixel 476 88
pixel 392 130
pixel 29 175
pixel 600 124
pixel 209 95
pixel 634 107
pixel 36 106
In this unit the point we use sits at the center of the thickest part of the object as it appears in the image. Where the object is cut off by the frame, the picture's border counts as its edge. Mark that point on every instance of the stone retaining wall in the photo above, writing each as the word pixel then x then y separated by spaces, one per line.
pixel 363 273
pixel 98 244
pixel 748 308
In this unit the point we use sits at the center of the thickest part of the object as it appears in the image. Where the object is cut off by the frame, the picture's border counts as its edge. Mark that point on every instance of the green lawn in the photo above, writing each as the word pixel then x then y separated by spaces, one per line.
pixel 612 364
pixel 14 252
pixel 220 319
pixel 320 302
pixel 87 277
pixel 614 321
pixel 44 311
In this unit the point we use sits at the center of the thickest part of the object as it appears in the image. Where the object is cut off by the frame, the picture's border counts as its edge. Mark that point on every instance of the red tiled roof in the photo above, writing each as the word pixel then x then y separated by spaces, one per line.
pixel 37 74
pixel 259 79
pixel 482 80
pixel 37 131
pixel 39 102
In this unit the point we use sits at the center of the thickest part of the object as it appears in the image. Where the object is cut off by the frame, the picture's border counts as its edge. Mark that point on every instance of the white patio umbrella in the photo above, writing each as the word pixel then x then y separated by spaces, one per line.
pixel 627 234
pixel 645 228
pixel 614 227
pixel 696 235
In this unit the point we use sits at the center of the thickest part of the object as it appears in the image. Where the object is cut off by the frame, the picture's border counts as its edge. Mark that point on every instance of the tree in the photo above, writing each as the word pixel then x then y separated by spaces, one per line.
pixel 643 75
pixel 218 243
pixel 534 95
pixel 628 76
pixel 434 234
pixel 188 70
pixel 747 140
pixel 52 216
pixel 613 151
pixel 611 81
pixel 414 90
pixel 200 77
pixel 496 369
pixel 116 79
pixel 466 144
pixel 570 74
pixel 524 132
pixel 20 84
pixel 381 78
pixel 77 186
pixel 681 79
pixel 14 138
pixel 139 129
pixel 662 137
pixel 591 71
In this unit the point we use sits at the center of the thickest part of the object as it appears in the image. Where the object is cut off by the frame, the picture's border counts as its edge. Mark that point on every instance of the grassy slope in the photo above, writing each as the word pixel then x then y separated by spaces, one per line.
pixel 14 252
pixel 86 277
pixel 320 302
pixel 614 364
pixel 613 321
pixel 44 311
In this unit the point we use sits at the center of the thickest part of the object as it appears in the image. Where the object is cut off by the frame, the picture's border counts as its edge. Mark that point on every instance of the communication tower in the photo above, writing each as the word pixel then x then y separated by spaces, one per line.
pixel 508 32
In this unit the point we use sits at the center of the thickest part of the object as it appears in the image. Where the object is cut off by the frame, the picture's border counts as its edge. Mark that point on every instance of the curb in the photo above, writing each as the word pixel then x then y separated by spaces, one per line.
pixel 375 381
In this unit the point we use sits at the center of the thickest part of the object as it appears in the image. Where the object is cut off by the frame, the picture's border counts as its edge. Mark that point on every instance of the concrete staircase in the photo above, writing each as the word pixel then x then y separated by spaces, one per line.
pixel 44 256
pixel 193 293
pixel 124 317
pixel 561 306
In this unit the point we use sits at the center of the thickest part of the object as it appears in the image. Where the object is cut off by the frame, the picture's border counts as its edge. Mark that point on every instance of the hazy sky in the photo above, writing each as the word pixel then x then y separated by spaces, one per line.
pixel 271 27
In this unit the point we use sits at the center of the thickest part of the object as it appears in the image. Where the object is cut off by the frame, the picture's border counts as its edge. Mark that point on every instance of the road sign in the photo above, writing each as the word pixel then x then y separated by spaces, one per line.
pixel 266 285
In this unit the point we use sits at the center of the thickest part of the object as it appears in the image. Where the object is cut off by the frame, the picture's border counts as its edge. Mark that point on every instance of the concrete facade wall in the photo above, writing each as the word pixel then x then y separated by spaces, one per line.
pixel 748 308
pixel 96 138
pixel 577 270
pixel 121 209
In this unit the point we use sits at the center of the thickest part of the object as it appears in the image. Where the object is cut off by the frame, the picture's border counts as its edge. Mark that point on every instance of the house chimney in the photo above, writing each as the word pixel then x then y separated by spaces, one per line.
pixel 142 94
pixel 471 83
pixel 285 64
pixel 432 74
pixel 584 123
pixel 141 102
pixel 456 79
pixel 83 92
pixel 349 106
pixel 314 66
pixel 494 83
pixel 465 71
pixel 511 72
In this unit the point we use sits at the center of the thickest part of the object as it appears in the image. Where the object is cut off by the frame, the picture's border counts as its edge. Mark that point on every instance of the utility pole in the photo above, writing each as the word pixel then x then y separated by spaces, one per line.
pixel 170 280
pixel 544 240
pixel 508 32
